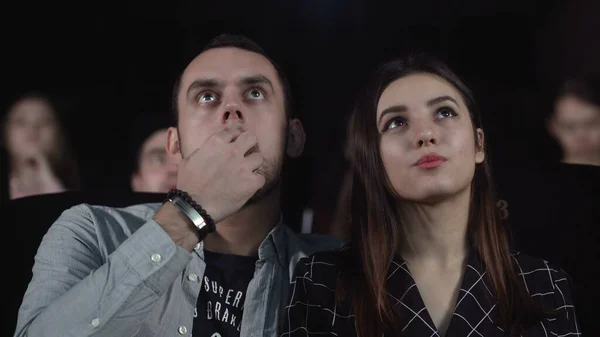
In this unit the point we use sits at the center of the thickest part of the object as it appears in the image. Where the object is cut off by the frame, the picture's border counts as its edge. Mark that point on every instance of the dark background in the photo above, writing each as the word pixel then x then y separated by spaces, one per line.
pixel 111 67
pixel 107 64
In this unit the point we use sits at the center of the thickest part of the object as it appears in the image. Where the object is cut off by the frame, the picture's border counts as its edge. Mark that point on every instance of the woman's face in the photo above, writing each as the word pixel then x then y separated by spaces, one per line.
pixel 31 129
pixel 576 126
pixel 427 144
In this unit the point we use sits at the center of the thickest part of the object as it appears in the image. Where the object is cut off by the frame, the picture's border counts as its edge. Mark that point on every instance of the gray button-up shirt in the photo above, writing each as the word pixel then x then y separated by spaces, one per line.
pixel 102 271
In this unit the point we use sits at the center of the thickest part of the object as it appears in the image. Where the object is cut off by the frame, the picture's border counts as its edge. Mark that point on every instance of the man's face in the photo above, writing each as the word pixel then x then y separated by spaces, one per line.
pixel 157 172
pixel 228 86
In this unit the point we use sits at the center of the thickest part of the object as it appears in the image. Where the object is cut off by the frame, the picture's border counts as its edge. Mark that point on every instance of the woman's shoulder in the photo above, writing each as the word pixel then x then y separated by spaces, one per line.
pixel 528 265
pixel 540 277
pixel 552 288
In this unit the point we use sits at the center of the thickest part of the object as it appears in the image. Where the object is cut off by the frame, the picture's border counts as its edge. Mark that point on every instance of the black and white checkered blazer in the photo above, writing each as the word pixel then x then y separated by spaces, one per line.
pixel 313 311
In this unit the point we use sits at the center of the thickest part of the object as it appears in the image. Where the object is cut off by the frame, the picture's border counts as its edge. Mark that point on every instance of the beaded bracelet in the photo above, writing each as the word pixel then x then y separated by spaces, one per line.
pixel 202 220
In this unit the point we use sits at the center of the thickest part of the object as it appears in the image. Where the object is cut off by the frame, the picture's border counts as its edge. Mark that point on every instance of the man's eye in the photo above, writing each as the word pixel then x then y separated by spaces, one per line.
pixel 207 97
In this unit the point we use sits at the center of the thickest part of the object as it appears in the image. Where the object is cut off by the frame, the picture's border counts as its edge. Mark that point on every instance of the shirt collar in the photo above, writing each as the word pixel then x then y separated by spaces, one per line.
pixel 274 244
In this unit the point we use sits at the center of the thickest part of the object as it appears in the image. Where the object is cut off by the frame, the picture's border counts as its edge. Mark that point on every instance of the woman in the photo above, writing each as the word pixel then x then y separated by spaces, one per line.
pixel 40 159
pixel 575 123
pixel 428 255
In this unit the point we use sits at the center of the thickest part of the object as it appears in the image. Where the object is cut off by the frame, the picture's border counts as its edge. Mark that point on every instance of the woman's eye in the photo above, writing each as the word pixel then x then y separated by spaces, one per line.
pixel 445 113
pixel 393 123
pixel 255 94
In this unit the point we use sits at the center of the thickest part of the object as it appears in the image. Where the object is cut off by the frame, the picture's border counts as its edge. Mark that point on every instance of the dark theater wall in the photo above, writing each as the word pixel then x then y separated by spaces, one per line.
pixel 111 67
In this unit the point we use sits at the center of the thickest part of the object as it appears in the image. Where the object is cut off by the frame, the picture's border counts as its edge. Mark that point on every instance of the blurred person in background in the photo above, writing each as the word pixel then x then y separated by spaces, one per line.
pixel 40 159
pixel 575 121
pixel 155 171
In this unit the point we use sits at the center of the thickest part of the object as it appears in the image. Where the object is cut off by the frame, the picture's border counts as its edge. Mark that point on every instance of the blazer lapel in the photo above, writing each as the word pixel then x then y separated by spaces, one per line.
pixel 475 311
pixel 407 303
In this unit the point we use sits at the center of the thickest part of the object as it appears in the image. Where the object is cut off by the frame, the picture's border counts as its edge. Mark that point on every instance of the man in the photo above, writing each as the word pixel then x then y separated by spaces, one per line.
pixel 145 270
pixel 156 171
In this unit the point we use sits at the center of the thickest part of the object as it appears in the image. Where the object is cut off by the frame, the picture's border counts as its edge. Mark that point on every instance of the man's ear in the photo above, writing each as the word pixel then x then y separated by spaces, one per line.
pixel 479 146
pixel 173 145
pixel 296 138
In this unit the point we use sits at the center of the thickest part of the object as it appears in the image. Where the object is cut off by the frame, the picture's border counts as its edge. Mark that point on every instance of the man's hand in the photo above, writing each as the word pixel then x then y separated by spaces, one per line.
pixel 220 176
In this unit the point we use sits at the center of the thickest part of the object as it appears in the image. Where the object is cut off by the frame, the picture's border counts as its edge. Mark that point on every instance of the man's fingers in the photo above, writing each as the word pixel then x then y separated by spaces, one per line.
pixel 229 134
pixel 253 161
pixel 248 143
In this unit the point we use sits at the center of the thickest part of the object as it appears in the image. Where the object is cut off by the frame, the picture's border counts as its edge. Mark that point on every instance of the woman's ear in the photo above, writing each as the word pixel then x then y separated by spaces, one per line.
pixel 296 138
pixel 479 146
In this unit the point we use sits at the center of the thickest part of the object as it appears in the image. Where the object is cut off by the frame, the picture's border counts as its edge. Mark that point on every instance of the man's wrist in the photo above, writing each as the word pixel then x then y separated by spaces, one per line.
pixel 178 226
pixel 195 212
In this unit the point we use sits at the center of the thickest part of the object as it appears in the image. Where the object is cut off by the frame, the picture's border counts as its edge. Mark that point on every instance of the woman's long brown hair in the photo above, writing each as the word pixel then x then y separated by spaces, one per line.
pixel 376 228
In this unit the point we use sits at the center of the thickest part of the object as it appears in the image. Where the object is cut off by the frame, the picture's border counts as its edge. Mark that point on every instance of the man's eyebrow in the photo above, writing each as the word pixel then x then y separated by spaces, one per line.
pixel 257 79
pixel 203 83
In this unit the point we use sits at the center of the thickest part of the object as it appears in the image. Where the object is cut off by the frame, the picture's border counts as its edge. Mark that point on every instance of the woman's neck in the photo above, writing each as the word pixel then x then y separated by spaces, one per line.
pixel 18 166
pixel 436 233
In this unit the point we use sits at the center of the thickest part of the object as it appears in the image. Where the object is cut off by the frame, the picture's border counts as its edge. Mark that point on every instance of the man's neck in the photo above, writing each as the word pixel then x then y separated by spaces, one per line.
pixel 243 232
pixel 436 233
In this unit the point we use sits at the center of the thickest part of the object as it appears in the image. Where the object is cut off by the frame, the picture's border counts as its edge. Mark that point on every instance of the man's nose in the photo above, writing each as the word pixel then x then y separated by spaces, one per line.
pixel 232 111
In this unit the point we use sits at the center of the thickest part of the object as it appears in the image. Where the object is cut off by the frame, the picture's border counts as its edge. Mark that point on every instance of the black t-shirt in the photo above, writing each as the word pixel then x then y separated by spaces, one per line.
pixel 221 299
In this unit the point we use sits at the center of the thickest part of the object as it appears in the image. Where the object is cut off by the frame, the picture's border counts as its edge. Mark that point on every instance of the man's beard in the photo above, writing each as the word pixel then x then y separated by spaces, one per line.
pixel 271 170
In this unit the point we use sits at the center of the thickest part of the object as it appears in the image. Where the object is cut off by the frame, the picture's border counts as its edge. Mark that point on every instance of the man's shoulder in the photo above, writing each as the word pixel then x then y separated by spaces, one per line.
pixel 318 242
pixel 322 267
pixel 333 258
pixel 124 220
pixel 303 245
pixel 299 246
pixel 138 210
